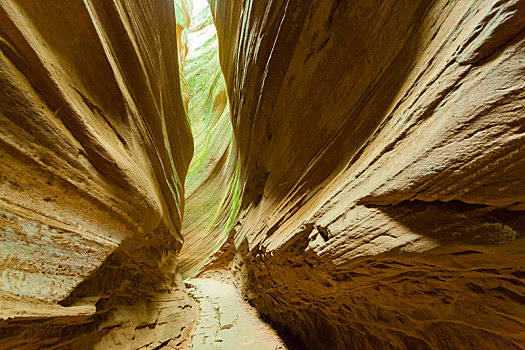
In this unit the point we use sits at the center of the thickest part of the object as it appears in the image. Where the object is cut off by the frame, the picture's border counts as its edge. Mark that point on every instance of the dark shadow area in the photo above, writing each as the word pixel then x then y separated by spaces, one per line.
pixel 456 221
pixel 291 341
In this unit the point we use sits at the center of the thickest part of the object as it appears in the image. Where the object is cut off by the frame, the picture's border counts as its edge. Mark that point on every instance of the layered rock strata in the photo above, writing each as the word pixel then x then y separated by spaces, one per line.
pixel 381 152
pixel 94 149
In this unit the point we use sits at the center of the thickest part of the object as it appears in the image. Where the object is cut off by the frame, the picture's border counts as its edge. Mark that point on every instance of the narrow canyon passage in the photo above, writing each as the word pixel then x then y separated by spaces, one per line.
pixel 280 174
pixel 225 320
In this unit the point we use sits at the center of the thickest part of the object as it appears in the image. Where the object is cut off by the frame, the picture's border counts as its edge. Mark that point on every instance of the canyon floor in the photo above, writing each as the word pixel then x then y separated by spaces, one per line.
pixel 227 321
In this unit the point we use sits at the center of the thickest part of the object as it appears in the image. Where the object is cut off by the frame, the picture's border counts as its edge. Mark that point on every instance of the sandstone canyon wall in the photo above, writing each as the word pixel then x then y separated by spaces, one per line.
pixel 213 184
pixel 94 150
pixel 381 152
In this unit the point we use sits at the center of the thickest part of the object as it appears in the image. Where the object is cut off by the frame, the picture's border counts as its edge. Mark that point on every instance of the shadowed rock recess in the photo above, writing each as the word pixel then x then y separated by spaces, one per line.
pixel 358 174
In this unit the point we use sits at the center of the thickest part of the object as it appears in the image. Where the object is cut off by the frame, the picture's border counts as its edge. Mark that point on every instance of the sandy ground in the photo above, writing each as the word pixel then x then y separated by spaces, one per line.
pixel 227 321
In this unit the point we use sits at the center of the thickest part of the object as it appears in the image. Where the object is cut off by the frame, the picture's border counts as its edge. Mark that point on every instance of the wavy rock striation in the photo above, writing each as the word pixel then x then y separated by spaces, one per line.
pixel 94 151
pixel 381 156
pixel 213 183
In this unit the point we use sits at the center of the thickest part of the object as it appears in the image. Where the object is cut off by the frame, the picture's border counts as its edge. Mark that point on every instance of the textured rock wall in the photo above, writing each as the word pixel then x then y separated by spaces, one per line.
pixel 94 149
pixel 212 185
pixel 381 152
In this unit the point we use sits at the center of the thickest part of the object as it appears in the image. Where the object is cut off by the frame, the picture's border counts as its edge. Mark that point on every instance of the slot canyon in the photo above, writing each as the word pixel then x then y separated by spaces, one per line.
pixel 248 174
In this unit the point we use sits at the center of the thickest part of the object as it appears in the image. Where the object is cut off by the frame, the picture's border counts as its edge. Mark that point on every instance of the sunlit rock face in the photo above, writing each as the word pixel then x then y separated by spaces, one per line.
pixel 212 185
pixel 381 155
pixel 94 149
